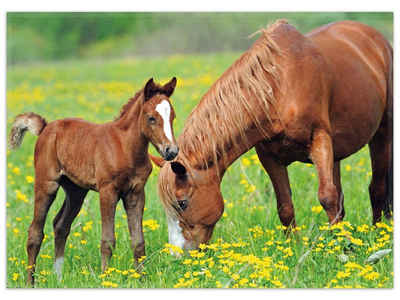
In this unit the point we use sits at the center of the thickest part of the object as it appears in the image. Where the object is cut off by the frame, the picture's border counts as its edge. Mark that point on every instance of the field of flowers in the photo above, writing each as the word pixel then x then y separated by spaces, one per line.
pixel 248 249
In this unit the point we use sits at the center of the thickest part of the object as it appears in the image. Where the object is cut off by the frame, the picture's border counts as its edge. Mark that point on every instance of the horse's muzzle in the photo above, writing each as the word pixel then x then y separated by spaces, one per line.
pixel 170 152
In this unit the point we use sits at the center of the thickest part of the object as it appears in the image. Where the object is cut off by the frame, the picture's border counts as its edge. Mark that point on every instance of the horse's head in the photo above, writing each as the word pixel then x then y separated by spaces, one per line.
pixel 192 201
pixel 157 117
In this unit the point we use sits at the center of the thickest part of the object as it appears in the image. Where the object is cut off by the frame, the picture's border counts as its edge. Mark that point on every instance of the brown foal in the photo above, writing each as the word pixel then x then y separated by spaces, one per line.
pixel 110 158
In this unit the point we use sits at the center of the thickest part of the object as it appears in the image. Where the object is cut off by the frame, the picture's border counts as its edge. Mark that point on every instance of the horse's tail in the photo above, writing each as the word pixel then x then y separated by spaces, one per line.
pixel 23 122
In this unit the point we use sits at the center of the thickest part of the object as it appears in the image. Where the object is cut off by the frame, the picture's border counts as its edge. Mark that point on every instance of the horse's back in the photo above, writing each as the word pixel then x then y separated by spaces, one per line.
pixel 360 60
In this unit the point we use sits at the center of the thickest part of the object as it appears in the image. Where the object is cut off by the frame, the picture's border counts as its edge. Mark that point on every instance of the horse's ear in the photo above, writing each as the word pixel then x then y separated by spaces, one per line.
pixel 149 89
pixel 158 161
pixel 178 168
pixel 170 87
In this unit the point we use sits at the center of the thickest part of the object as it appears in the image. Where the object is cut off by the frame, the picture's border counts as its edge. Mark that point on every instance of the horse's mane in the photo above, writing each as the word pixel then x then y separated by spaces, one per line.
pixel 219 121
pixel 129 104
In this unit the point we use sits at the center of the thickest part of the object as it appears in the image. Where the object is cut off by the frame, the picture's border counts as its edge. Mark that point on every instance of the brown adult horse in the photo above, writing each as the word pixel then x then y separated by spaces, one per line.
pixel 316 98
pixel 109 158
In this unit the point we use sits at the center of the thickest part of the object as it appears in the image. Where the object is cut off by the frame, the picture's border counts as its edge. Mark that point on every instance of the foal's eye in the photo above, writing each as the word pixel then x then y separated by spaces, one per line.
pixel 152 120
pixel 182 204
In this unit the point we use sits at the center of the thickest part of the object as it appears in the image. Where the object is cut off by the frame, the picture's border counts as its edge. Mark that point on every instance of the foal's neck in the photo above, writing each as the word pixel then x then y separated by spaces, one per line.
pixel 131 135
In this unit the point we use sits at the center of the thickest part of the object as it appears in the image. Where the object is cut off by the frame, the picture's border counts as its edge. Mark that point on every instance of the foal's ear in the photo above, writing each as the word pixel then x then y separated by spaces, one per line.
pixel 159 161
pixel 149 89
pixel 170 87
pixel 178 169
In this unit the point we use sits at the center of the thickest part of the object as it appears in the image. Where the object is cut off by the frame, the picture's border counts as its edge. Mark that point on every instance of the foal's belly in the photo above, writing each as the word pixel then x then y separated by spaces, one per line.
pixel 86 183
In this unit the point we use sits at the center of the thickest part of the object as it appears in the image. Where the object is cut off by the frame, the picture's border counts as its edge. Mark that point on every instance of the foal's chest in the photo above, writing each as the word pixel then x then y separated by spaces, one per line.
pixel 136 178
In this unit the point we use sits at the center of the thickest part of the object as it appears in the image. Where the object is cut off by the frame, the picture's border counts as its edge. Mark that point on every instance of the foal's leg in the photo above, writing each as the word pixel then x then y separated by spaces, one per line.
pixel 338 184
pixel 108 204
pixel 74 196
pixel 321 154
pixel 380 148
pixel 280 181
pixel 134 205
pixel 45 193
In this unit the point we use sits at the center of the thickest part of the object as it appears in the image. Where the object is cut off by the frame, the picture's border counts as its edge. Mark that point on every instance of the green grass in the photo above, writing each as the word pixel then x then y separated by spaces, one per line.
pixel 249 248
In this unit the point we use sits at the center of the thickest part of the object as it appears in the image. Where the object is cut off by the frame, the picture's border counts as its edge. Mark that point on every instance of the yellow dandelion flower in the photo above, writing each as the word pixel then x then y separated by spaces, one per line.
pixel 235 276
pixel 135 275
pixel 352 265
pixel 21 196
pixel 357 242
pixel 342 274
pixel 29 179
pixel 277 283
pixel 363 228
pixel 151 224
pixel 317 209
pixel 246 162
pixel 15 276
pixel 16 171
pixel 372 276
pixel 84 272
pixel 251 188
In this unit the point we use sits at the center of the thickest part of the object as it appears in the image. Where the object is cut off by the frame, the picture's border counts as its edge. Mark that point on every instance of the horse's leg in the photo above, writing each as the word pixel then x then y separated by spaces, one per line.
pixel 45 193
pixel 74 196
pixel 321 153
pixel 338 184
pixel 280 181
pixel 134 205
pixel 380 148
pixel 108 203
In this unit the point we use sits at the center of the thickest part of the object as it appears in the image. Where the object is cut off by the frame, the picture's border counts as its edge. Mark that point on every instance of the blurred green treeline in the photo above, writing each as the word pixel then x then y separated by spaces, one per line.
pixel 53 36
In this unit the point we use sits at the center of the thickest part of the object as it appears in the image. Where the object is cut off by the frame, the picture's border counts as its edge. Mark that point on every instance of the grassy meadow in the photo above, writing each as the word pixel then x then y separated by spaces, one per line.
pixel 248 248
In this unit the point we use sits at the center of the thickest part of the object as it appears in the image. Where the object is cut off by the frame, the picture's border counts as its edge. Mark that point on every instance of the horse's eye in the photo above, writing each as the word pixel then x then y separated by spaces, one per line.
pixel 182 204
pixel 152 120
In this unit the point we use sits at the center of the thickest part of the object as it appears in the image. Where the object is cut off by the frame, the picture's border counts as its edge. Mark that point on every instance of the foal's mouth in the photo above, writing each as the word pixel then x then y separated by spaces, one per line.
pixel 169 152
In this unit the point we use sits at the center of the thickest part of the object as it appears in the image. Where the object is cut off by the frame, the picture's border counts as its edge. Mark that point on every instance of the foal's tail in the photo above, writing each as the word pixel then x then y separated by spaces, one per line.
pixel 23 122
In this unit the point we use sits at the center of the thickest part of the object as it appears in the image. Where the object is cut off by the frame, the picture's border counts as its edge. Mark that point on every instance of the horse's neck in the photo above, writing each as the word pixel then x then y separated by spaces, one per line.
pixel 253 137
pixel 231 153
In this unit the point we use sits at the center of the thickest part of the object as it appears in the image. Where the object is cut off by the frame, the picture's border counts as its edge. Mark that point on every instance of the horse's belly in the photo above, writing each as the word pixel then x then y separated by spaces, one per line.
pixel 355 117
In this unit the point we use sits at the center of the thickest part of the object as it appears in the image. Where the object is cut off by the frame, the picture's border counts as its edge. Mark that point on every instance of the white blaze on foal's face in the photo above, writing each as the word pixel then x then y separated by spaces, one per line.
pixel 164 109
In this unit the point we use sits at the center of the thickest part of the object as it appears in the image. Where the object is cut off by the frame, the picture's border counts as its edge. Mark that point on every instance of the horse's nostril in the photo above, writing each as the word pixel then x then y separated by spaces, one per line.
pixel 167 149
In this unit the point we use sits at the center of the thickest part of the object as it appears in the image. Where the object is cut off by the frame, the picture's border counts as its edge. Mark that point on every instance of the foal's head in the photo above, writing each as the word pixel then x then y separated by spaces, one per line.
pixel 157 116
